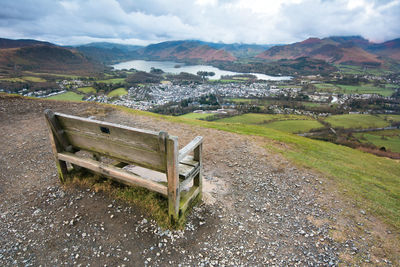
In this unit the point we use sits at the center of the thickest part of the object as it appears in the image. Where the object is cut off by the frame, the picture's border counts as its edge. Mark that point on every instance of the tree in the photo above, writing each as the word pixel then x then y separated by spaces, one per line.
pixel 204 74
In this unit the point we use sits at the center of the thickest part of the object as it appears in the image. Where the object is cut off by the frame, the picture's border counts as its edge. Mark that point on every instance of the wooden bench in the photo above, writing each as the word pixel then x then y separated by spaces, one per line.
pixel 156 151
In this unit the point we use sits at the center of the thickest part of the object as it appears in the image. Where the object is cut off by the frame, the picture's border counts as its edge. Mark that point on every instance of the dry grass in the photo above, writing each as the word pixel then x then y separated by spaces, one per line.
pixel 150 202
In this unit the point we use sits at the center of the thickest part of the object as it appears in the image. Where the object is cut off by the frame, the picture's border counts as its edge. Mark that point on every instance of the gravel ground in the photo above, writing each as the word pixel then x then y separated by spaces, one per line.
pixel 259 209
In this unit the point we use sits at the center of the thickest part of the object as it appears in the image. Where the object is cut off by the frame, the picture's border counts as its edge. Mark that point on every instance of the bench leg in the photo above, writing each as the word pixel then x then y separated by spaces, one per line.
pixel 198 180
pixel 173 178
pixel 62 170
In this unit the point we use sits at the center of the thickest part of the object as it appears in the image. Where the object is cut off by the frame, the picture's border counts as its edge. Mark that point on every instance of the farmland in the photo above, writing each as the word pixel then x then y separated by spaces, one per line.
pixel 286 123
pixel 68 96
pixel 390 139
pixel 195 116
pixel 87 89
pixel 117 92
pixel 361 121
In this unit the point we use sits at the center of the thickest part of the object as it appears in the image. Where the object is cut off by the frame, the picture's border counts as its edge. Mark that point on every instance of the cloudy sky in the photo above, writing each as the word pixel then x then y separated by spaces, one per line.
pixel 244 21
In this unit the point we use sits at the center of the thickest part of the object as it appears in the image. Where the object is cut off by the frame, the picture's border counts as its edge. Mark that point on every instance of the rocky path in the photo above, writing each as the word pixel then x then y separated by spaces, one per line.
pixel 258 208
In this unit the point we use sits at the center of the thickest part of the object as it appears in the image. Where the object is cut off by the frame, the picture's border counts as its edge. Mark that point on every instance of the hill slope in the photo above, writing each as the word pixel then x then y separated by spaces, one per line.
pixel 192 51
pixel 339 50
pixel 109 53
pixel 255 200
pixel 23 55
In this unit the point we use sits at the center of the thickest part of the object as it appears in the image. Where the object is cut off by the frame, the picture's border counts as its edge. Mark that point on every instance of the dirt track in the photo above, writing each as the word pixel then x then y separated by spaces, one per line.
pixel 258 208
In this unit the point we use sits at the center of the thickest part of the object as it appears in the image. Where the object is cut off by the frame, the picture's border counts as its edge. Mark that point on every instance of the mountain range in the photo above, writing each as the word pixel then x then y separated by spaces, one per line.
pixel 352 50
pixel 339 50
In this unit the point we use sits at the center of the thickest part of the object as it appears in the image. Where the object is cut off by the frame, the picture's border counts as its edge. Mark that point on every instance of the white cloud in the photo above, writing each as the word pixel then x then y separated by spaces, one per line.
pixel 247 21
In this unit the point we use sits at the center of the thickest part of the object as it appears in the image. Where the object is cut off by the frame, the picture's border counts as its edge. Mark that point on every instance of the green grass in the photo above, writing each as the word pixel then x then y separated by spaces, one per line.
pixel 196 116
pixel 255 118
pixel 312 104
pixel 68 96
pixel 372 181
pixel 118 92
pixel 390 139
pixel 34 79
pixel 366 89
pixel 115 80
pixel 349 69
pixel 357 121
pixel 287 123
pixel 326 87
pixel 12 80
pixel 388 90
pixel 87 89
pixel 294 126
pixel 24 79
pixel 241 100
pixel 389 118
pixel 54 74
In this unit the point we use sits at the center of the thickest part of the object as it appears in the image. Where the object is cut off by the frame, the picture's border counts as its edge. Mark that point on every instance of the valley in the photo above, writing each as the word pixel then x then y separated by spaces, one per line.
pixel 268 130
pixel 176 88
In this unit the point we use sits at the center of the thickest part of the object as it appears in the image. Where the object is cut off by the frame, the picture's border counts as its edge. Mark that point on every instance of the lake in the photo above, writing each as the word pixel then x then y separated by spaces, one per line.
pixel 170 67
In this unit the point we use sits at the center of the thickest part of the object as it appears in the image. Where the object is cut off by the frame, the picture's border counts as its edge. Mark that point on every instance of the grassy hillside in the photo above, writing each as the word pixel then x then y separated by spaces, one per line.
pixel 390 139
pixel 372 181
pixel 118 92
pixel 281 122
pixel 87 89
pixel 357 121
pixel 196 116
pixel 68 96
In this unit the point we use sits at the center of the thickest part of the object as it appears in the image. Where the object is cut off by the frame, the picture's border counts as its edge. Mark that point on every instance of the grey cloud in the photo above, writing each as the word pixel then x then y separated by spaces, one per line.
pixel 141 21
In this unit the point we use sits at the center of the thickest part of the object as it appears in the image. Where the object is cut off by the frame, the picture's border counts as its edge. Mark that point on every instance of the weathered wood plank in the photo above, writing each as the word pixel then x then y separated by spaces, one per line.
pixel 58 144
pixel 120 151
pixel 173 178
pixel 197 156
pixel 114 172
pixel 188 179
pixel 189 147
pixel 141 139
pixel 188 160
pixel 57 130
pixel 119 164
pixel 185 170
pixel 188 197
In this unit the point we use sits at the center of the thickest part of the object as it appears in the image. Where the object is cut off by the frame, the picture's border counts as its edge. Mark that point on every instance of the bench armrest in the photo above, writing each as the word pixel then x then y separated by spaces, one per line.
pixel 189 147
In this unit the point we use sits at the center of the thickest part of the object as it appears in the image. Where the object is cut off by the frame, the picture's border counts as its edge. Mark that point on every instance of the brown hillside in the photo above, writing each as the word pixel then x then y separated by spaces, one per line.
pixel 46 58
pixel 186 50
pixel 333 50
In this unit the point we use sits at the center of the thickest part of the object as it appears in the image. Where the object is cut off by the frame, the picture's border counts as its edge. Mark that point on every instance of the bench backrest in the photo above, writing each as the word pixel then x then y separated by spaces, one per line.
pixel 126 144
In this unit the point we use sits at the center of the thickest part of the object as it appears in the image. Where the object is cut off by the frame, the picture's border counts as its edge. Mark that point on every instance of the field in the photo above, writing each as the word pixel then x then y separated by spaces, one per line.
pixel 294 126
pixel 87 90
pixel 350 69
pixel 34 79
pixel 370 180
pixel 390 117
pixel 326 87
pixel 281 122
pixel 115 80
pixel 118 92
pixel 68 96
pixel 388 90
pixel 365 89
pixel 241 100
pixel 363 121
pixel 390 139
pixel 196 116
pixel 53 74
pixel 24 79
